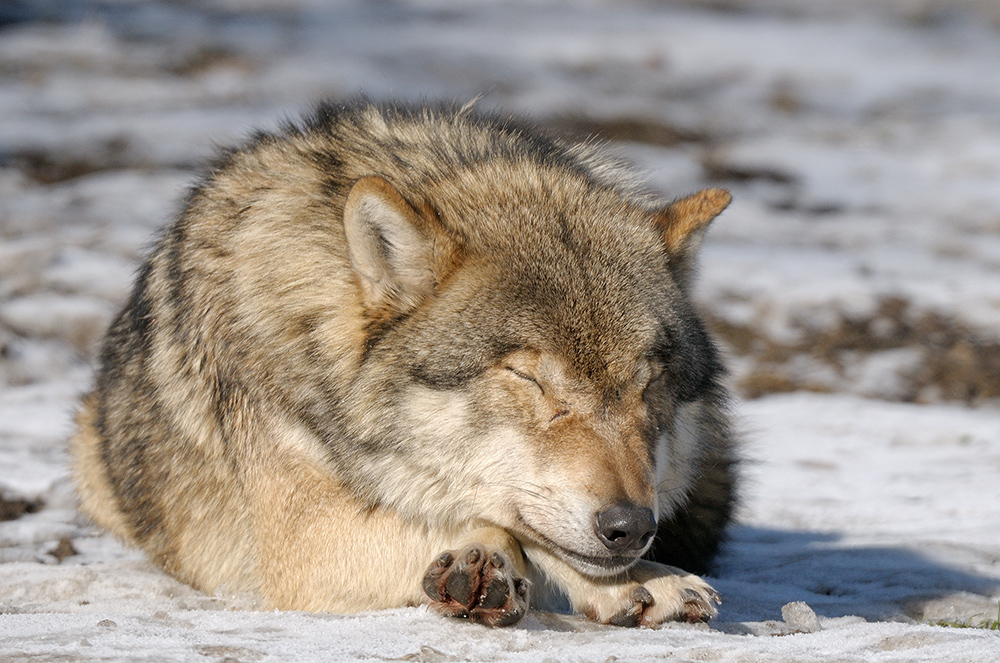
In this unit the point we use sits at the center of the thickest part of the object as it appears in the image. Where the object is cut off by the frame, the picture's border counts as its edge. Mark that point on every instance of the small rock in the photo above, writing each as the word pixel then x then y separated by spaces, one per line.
pixel 800 617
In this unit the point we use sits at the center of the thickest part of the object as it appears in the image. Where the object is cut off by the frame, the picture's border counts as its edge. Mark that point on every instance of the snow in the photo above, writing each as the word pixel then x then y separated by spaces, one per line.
pixel 858 270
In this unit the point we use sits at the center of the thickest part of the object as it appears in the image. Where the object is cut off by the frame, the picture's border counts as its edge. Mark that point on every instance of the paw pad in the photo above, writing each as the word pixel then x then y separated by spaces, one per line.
pixel 473 584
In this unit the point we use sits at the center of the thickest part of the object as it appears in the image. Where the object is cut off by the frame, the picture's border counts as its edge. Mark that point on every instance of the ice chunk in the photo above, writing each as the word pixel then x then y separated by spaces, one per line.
pixel 800 617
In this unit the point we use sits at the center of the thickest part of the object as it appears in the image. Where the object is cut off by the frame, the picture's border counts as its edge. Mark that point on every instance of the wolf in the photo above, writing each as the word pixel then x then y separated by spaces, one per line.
pixel 392 355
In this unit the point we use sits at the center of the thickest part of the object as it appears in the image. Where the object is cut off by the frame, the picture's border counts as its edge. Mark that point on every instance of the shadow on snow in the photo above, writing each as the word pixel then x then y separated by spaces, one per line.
pixel 762 569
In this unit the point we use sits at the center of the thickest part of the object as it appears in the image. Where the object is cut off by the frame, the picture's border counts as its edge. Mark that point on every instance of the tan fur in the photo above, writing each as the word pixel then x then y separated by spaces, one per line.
pixel 395 350
pixel 98 500
pixel 692 214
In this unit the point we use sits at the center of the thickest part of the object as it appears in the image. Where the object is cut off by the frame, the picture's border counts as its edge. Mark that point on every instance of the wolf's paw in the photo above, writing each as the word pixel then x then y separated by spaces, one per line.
pixel 668 596
pixel 478 585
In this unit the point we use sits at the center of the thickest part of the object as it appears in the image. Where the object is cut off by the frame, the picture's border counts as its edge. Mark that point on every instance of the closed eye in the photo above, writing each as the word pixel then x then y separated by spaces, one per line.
pixel 657 375
pixel 525 376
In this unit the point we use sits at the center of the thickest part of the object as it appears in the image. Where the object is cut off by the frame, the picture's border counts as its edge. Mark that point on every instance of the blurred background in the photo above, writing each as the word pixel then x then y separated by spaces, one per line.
pixel 860 138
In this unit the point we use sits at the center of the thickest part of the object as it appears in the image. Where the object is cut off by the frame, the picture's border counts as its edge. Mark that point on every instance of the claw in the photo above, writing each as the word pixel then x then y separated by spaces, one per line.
pixel 631 616
pixel 698 606
pixel 497 560
pixel 432 579
pixel 641 595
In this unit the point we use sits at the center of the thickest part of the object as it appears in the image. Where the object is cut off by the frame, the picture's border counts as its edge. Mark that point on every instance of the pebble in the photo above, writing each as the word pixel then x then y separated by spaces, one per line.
pixel 800 617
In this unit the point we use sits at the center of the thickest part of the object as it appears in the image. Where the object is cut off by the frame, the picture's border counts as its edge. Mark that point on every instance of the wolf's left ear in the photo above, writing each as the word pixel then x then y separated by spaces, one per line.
pixel 684 223
pixel 394 250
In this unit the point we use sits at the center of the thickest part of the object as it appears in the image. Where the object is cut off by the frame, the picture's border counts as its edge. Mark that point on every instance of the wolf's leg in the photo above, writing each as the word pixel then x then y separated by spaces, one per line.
pixel 323 550
pixel 483 580
pixel 647 593
pixel 318 547
pixel 320 550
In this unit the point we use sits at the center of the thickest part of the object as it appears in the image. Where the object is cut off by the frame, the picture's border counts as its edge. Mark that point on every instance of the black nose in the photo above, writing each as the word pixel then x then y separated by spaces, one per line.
pixel 625 527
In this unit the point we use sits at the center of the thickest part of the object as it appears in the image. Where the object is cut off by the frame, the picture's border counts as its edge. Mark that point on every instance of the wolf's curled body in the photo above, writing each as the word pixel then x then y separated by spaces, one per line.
pixel 399 355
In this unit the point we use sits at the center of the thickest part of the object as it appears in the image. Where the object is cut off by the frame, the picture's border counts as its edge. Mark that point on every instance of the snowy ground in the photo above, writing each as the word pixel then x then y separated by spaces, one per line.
pixel 855 282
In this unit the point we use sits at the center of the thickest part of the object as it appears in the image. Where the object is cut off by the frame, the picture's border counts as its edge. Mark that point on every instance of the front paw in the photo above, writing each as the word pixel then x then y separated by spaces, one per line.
pixel 650 595
pixel 478 585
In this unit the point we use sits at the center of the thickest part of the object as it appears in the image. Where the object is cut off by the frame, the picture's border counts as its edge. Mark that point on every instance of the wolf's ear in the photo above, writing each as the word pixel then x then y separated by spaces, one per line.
pixel 392 247
pixel 684 223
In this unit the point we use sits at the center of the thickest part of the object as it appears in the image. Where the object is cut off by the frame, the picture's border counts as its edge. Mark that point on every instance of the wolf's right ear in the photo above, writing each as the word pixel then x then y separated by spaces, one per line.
pixel 684 223
pixel 392 247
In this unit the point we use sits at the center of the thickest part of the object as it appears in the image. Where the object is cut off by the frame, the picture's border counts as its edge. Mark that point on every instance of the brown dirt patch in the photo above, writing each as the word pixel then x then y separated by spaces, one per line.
pixel 14 508
pixel 955 363
pixel 631 129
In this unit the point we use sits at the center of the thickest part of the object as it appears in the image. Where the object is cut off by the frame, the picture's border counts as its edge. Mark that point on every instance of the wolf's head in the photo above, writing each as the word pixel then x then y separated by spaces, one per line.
pixel 533 360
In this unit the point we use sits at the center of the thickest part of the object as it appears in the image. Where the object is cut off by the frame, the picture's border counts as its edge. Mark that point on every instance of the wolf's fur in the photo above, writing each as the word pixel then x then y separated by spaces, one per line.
pixel 390 332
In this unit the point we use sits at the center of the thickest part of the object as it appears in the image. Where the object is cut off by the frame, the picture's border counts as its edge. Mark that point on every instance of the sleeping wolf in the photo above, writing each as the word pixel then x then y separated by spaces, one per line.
pixel 397 355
